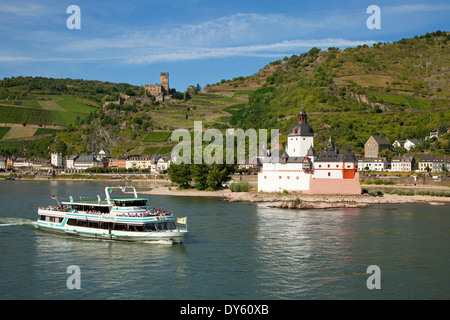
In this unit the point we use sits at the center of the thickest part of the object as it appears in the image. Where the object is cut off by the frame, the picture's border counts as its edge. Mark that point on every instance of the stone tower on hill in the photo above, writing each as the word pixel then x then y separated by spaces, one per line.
pixel 164 81
pixel 159 91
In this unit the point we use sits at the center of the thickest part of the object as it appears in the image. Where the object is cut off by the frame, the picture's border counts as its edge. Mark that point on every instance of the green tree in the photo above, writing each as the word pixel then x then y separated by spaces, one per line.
pixel 199 173
pixel 217 174
pixel 141 91
pixel 180 174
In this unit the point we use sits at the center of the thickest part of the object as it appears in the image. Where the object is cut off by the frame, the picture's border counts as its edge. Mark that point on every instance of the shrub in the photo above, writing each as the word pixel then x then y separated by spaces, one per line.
pixel 241 186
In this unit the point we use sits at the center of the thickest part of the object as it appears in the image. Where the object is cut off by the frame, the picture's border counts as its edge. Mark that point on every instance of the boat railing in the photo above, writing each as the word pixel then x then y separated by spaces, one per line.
pixel 55 208
pixel 147 213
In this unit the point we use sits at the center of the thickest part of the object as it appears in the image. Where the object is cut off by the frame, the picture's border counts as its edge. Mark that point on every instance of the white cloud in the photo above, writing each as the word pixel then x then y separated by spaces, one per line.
pixel 414 8
pixel 278 49
pixel 234 30
pixel 254 35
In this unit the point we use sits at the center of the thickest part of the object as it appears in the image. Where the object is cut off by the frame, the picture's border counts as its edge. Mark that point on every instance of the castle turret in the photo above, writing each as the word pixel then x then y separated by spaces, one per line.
pixel 164 82
pixel 301 137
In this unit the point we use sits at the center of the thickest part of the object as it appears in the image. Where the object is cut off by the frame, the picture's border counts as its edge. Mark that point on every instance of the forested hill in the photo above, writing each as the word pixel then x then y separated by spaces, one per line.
pixel 398 89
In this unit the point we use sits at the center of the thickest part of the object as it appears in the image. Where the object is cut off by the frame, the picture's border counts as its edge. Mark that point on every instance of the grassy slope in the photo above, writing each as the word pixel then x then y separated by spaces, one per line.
pixel 400 90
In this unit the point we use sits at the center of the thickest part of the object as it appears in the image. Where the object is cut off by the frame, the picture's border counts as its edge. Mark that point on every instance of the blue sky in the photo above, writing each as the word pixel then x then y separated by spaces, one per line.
pixel 196 41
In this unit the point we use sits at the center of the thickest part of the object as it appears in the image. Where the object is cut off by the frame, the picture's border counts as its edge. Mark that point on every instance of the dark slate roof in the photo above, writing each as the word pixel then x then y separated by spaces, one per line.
pixel 381 139
pixel 311 152
pixel 349 156
pixel 329 156
pixel 303 129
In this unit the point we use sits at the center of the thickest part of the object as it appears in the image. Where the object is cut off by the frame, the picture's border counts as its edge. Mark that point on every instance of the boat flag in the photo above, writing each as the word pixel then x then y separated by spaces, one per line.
pixel 54 198
pixel 181 220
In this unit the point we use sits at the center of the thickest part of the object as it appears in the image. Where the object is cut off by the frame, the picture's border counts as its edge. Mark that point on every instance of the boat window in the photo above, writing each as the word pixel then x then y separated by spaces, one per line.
pixel 120 226
pixel 71 222
pixel 81 223
pixel 42 217
pixel 93 224
pixel 139 228
pixel 130 203
pixel 150 227
pixel 103 225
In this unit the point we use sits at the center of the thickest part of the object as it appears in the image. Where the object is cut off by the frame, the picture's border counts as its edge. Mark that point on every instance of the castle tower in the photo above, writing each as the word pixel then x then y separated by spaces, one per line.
pixel 56 160
pixel 301 138
pixel 164 82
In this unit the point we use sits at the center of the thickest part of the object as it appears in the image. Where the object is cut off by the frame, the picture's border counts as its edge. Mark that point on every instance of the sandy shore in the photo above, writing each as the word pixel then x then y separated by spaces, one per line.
pixel 302 201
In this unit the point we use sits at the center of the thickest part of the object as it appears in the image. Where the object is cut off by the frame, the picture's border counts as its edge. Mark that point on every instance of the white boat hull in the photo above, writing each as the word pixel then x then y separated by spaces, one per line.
pixel 175 236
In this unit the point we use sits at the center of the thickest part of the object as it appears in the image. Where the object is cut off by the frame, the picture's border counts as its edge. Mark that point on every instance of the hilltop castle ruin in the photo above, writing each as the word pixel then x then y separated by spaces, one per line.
pixel 161 90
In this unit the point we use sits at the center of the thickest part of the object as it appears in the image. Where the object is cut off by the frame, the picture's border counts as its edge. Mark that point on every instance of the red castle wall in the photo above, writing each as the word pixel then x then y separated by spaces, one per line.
pixel 335 186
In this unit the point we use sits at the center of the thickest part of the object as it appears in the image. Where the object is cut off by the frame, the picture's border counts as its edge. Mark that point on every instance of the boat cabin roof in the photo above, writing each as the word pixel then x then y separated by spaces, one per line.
pixel 104 203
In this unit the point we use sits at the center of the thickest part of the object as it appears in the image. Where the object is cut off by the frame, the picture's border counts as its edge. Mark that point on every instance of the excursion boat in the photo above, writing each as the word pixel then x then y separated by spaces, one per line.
pixel 127 219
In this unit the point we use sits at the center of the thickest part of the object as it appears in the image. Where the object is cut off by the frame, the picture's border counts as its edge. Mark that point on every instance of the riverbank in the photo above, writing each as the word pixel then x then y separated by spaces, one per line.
pixel 303 201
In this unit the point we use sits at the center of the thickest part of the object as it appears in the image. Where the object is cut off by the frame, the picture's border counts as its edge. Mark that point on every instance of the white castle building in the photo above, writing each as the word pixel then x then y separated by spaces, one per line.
pixel 300 169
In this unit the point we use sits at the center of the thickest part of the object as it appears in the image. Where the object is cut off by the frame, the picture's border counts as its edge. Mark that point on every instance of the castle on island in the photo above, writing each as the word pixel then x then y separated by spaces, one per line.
pixel 299 169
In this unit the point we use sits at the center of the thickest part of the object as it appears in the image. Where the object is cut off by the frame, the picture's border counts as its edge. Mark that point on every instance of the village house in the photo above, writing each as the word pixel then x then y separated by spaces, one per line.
pixel 102 154
pixel 86 161
pixel 69 162
pixel 374 145
pixel 403 163
pixel 21 163
pixel 434 133
pixel 426 163
pixel 163 163
pixel 373 164
pixel 41 164
pixel 410 144
pixel 434 164
pixel 138 162
pixel 2 163
pixel 399 143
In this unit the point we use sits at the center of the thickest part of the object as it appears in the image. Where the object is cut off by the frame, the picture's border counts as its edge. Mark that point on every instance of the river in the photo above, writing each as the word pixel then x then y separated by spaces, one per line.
pixel 238 251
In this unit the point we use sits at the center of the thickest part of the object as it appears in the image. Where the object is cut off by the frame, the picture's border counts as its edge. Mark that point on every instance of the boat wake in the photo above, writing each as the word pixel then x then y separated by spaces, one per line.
pixel 5 222
pixel 166 242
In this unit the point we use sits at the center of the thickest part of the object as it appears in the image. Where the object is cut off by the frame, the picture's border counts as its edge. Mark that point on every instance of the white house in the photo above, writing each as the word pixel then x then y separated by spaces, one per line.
pixel 373 164
pixel 163 163
pixel 86 161
pixel 2 162
pixel 399 143
pixel 410 144
pixel 426 162
pixel 138 162
pixel 69 162
pixel 435 164
pixel 403 163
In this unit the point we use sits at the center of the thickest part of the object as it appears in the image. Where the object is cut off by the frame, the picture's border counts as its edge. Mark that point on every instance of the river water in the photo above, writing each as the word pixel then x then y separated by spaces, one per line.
pixel 237 251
